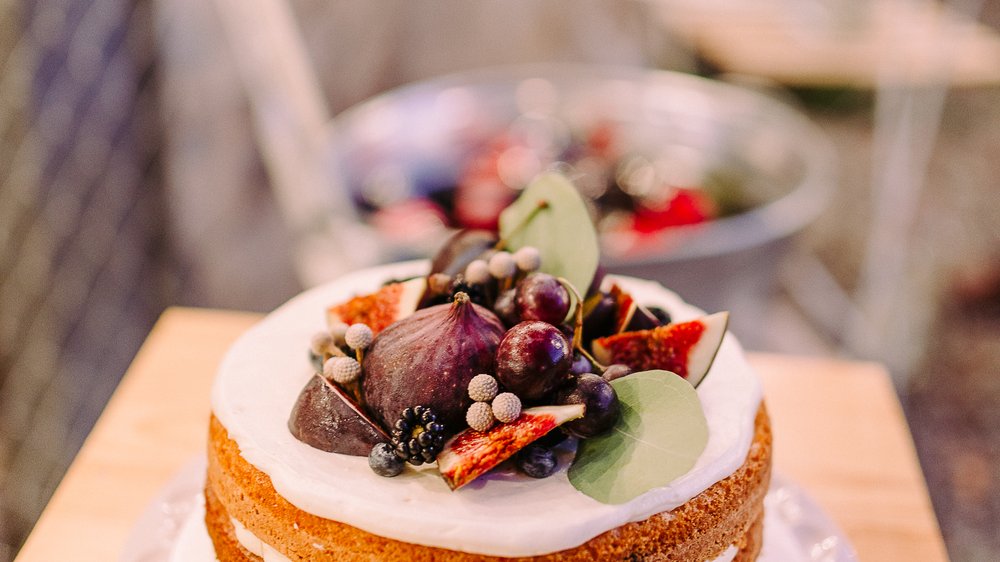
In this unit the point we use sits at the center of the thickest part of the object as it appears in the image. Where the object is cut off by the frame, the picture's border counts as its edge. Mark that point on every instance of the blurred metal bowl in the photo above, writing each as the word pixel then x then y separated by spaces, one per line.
pixel 414 140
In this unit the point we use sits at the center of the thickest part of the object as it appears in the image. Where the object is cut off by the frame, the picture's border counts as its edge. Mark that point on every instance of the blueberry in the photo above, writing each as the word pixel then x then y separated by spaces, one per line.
pixel 383 460
pixel 536 461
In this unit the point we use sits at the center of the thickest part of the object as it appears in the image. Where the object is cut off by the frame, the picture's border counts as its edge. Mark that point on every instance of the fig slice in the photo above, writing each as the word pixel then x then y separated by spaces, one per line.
pixel 327 418
pixel 630 315
pixel 471 453
pixel 685 348
pixel 392 302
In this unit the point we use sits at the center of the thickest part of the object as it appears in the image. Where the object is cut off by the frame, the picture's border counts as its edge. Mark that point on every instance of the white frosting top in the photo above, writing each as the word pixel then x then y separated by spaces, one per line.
pixel 500 514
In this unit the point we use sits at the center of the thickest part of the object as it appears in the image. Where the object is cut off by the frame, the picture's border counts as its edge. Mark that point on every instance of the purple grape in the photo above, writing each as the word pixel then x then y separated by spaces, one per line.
pixel 532 359
pixel 541 296
pixel 600 320
pixel 581 364
pixel 600 400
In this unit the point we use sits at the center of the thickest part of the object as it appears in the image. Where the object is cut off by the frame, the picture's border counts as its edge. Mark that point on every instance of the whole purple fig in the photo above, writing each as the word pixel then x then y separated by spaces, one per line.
pixel 429 358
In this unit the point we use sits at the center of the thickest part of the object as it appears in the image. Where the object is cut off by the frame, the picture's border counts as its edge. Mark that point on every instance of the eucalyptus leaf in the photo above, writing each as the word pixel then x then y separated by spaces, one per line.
pixel 551 216
pixel 661 433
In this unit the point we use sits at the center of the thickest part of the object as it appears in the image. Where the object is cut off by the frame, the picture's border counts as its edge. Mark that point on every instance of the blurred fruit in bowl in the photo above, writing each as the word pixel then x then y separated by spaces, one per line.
pixel 693 182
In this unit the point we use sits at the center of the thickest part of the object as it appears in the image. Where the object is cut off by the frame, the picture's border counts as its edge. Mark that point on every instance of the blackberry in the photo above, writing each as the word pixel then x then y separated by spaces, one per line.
pixel 417 436
pixel 536 461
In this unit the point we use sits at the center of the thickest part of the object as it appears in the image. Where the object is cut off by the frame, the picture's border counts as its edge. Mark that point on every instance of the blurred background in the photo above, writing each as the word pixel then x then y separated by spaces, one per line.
pixel 180 152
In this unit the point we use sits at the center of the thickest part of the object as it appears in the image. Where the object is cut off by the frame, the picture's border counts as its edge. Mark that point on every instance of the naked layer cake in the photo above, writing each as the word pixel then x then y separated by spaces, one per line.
pixel 424 423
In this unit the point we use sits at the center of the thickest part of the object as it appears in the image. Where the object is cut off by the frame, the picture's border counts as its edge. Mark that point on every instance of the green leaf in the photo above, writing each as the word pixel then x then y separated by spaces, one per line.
pixel 660 435
pixel 551 216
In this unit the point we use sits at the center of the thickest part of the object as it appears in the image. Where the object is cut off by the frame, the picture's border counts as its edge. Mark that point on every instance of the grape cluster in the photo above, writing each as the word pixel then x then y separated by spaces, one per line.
pixel 541 296
pixel 536 359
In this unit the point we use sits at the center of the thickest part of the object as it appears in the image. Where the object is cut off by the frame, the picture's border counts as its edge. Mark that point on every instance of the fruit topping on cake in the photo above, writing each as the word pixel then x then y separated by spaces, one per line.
pixel 472 453
pixel 629 314
pixel 418 436
pixel 328 419
pixel 600 402
pixel 429 358
pixel 483 359
pixel 393 301
pixel 540 296
pixel 533 359
pixel 536 461
pixel 685 348
pixel 384 461
pixel 661 433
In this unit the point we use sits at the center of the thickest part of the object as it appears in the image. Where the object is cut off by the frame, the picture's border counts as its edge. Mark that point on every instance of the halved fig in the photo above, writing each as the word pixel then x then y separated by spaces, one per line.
pixel 471 453
pixel 685 348
pixel 327 418
pixel 392 302
pixel 630 315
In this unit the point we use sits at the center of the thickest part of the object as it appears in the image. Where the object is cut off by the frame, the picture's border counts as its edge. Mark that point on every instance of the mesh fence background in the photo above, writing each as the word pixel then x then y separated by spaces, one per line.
pixel 81 255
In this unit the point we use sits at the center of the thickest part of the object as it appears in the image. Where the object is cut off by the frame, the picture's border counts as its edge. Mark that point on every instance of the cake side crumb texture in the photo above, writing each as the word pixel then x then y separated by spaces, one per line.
pixel 728 513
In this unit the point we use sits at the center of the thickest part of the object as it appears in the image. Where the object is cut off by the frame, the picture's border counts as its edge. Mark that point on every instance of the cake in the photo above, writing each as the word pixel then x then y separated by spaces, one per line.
pixel 271 496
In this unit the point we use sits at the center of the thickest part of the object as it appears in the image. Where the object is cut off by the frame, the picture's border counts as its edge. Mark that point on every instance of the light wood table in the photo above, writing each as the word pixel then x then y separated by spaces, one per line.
pixel 839 433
